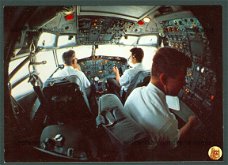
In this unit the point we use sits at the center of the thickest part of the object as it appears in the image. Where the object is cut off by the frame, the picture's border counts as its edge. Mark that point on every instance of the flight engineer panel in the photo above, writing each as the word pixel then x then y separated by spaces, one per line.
pixel 187 35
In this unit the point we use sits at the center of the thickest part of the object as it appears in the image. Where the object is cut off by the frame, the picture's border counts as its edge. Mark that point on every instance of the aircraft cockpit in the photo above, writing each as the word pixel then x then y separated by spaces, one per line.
pixel 55 120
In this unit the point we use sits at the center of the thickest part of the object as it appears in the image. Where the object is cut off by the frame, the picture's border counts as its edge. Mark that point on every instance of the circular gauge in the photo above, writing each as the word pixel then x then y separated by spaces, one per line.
pixel 96 78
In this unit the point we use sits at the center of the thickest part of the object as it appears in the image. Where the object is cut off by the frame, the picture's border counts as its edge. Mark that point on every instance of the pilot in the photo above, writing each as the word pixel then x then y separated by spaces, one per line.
pixel 72 68
pixel 147 105
pixel 121 83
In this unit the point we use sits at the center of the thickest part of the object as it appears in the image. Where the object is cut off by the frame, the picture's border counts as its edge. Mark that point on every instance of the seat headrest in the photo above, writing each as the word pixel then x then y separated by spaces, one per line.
pixel 141 75
pixel 109 101
pixel 118 125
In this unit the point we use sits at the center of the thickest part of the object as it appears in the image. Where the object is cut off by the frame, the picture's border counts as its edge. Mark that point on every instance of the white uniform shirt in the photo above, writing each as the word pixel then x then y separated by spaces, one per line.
pixel 70 71
pixel 129 75
pixel 148 107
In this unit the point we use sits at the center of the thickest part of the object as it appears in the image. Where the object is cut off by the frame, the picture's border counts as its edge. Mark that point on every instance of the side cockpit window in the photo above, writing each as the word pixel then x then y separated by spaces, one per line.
pixel 19 82
pixel 45 66
pixel 48 67
pixel 47 40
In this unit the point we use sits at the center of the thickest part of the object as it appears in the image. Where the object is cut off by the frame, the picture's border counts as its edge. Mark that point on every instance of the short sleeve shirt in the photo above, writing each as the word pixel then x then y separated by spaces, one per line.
pixel 129 74
pixel 148 107
pixel 70 71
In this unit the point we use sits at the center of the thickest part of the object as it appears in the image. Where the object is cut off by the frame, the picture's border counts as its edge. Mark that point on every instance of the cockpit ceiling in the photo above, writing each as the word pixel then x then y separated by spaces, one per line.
pixel 134 13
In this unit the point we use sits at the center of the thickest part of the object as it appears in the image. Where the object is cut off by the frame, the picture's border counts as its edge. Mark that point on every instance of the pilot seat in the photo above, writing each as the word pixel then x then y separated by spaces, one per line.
pixel 70 129
pixel 142 78
pixel 66 102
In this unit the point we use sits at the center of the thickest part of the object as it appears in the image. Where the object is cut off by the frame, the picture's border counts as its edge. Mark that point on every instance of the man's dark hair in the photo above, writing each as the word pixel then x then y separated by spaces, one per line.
pixel 169 61
pixel 138 54
pixel 68 57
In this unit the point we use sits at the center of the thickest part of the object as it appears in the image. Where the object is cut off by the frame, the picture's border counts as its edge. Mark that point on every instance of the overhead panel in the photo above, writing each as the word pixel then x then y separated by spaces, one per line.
pixel 101 30
pixel 108 24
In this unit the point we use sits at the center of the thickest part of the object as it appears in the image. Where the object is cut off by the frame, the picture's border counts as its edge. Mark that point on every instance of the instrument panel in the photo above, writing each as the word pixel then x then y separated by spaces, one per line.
pixel 99 68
